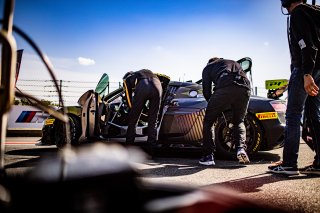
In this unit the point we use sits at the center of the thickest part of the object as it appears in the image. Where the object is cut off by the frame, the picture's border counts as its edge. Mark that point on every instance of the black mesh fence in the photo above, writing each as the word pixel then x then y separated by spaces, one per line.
pixel 71 90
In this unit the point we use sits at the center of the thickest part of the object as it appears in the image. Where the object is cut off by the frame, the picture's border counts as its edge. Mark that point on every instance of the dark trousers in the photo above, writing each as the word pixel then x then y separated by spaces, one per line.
pixel 146 89
pixel 298 100
pixel 232 97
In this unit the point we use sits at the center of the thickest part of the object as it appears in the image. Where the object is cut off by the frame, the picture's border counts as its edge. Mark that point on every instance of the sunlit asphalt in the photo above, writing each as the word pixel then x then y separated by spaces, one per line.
pixel 299 193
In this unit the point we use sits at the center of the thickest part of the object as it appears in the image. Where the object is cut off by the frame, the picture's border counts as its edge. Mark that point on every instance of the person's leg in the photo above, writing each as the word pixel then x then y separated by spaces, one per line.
pixel 313 117
pixel 154 105
pixel 218 102
pixel 295 105
pixel 139 100
pixel 239 110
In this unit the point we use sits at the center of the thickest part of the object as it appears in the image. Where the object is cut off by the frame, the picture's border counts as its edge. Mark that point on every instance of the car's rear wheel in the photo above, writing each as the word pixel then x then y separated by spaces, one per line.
pixel 60 131
pixel 225 148
pixel 48 135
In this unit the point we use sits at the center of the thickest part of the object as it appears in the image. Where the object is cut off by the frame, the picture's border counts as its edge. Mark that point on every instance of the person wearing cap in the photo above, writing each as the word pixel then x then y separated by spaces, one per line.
pixel 231 92
pixel 146 86
pixel 303 89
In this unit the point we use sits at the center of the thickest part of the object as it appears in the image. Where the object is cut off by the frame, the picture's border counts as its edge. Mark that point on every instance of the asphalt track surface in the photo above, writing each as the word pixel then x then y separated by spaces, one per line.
pixel 298 193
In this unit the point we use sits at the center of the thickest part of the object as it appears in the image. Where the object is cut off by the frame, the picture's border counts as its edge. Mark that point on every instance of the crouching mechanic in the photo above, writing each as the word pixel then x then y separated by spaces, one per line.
pixel 231 92
pixel 146 86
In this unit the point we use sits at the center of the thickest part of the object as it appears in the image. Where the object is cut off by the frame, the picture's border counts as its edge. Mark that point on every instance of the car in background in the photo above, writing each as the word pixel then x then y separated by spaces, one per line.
pixel 105 117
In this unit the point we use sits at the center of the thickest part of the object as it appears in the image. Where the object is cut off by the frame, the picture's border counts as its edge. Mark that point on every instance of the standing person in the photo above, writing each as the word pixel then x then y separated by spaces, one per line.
pixel 231 91
pixel 303 90
pixel 146 86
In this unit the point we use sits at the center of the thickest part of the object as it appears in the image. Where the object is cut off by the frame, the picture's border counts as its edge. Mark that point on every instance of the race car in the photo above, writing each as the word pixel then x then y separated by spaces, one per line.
pixel 105 117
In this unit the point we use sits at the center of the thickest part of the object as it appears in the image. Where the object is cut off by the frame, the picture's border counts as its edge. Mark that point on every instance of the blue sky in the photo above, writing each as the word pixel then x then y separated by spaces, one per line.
pixel 86 38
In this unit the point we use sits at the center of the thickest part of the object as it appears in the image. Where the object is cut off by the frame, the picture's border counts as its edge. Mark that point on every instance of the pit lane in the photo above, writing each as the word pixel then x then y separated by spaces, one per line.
pixel 298 193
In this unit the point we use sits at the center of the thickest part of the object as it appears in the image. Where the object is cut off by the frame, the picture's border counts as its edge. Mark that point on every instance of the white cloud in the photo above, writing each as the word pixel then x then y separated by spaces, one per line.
pixel 86 61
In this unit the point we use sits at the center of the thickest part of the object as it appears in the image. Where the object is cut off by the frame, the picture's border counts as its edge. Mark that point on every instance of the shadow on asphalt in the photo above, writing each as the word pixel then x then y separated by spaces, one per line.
pixel 45 151
pixel 168 158
pixel 264 156
pixel 23 164
pixel 168 163
pixel 253 183
pixel 170 168
pixel 18 158
pixel 191 153
pixel 260 157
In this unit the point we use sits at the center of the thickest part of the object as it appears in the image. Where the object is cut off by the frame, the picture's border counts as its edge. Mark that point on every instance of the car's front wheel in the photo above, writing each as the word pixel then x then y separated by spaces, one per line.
pixel 74 131
pixel 225 147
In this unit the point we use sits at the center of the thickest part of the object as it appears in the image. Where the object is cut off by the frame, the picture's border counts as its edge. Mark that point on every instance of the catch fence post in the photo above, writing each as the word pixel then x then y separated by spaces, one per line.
pixel 60 87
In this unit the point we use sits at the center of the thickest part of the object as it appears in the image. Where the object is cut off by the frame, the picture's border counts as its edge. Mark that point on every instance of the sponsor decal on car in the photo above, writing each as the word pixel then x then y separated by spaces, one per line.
pixel 49 121
pixel 31 117
pixel 267 115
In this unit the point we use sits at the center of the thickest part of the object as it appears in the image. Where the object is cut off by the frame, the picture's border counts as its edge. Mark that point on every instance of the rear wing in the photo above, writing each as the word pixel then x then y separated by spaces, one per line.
pixel 276 87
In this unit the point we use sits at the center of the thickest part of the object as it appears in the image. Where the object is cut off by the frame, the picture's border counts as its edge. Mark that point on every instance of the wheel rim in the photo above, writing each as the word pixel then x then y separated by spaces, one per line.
pixel 225 136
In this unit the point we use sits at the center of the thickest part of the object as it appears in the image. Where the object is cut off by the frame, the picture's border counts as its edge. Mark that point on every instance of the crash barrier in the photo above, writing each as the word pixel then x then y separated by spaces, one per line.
pixel 72 90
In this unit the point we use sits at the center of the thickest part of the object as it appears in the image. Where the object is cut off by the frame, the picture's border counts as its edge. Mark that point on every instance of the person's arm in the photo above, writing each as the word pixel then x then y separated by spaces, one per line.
pixel 206 84
pixel 302 30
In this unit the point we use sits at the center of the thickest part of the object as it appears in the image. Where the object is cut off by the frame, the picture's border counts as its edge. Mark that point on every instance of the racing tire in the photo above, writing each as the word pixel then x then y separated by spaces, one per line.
pixel 60 131
pixel 48 135
pixel 225 148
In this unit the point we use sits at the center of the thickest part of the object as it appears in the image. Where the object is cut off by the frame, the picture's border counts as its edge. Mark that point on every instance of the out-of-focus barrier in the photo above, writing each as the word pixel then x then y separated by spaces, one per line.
pixel 25 121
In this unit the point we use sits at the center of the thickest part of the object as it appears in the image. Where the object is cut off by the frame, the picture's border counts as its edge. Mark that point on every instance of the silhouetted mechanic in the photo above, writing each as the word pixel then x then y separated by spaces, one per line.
pixel 231 91
pixel 146 86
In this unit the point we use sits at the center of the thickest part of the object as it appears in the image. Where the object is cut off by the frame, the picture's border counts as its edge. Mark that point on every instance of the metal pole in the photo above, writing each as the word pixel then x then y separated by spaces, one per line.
pixel 60 87
pixel 7 73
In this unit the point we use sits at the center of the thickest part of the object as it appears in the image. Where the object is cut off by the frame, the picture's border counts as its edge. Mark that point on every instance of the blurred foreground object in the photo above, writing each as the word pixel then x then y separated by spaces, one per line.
pixel 7 73
pixel 104 178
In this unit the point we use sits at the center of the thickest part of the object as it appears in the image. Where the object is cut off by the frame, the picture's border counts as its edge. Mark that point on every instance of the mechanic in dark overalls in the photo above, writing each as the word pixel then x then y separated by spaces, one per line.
pixel 231 91
pixel 146 87
pixel 303 89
